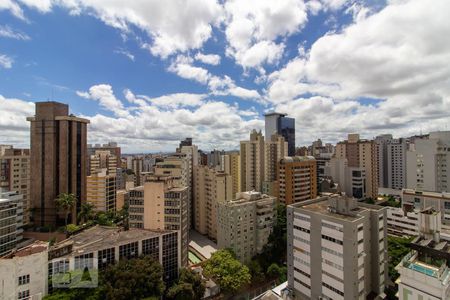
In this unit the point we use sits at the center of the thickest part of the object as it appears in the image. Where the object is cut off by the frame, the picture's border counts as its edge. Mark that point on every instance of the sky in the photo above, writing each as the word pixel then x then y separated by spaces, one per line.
pixel 148 73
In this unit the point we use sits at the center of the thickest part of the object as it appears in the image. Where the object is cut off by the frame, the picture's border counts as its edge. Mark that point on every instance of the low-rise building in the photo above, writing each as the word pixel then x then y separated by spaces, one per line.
pixel 245 223
pixel 100 246
pixel 24 273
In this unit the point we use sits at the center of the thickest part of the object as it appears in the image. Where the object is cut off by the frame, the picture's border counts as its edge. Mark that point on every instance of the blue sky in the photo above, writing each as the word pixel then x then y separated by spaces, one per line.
pixel 149 73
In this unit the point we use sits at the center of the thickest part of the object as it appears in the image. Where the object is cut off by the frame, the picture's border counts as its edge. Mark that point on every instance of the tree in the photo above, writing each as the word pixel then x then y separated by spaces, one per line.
pixel 86 212
pixel 256 271
pixel 133 279
pixel 190 286
pixel 66 202
pixel 275 271
pixel 228 272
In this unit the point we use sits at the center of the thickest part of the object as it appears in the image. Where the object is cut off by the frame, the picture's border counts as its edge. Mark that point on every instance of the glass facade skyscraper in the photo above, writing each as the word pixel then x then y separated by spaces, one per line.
pixel 276 123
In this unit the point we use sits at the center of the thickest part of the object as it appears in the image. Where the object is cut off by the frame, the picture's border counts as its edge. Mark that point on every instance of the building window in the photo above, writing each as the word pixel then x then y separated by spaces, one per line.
pixel 24 295
pixel 128 251
pixel 151 247
pixel 106 257
pixel 25 279
pixel 84 261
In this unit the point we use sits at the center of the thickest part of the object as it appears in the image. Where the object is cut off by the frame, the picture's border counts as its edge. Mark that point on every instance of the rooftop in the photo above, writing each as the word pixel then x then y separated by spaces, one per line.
pixel 101 237
pixel 35 247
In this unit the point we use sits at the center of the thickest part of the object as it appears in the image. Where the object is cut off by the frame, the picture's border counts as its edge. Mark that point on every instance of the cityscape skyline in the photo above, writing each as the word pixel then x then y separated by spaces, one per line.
pixel 148 97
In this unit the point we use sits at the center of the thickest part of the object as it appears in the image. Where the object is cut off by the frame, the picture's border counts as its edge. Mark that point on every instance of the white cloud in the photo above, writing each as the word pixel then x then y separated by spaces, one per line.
pixel 13 7
pixel 42 6
pixel 178 100
pixel 125 53
pixel 211 59
pixel 183 67
pixel 6 61
pixel 253 26
pixel 104 94
pixel 8 32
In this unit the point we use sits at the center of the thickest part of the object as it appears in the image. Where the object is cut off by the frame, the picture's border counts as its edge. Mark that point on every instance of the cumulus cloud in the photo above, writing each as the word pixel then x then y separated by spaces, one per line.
pixel 103 93
pixel 210 59
pixel 6 61
pixel 125 53
pixel 13 8
pixel 182 66
pixel 253 26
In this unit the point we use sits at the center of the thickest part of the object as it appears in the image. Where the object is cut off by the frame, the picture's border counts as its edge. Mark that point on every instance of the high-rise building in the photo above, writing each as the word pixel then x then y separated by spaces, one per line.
pixel 215 158
pixel 297 179
pixel 102 159
pixel 102 190
pixel 427 162
pixel 245 223
pixel 24 273
pixel 424 272
pixel 276 123
pixel 137 165
pixel 252 162
pixel 111 147
pixel 337 249
pixel 11 220
pixel 192 156
pixel 391 161
pixel 58 160
pixel 362 156
pixel 231 166
pixel 210 188
pixel 15 174
pixel 185 142
pixel 275 149
pixel 160 205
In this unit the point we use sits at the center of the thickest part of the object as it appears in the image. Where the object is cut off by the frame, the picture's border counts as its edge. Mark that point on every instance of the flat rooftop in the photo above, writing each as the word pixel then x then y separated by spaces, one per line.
pixel 322 208
pixel 202 244
pixel 35 247
pixel 101 237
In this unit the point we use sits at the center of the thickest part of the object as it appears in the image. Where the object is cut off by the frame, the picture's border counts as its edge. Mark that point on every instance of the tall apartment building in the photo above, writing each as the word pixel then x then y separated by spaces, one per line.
pixel 102 159
pixel 391 161
pixel 24 273
pixel 276 123
pixel 297 179
pixel 215 158
pixel 160 205
pixel 15 174
pixel 252 162
pixel 274 150
pixel 185 142
pixel 427 163
pixel 137 165
pixel 362 155
pixel 191 153
pixel 102 246
pixel 337 249
pixel 245 223
pixel 111 147
pixel 424 272
pixel 102 190
pixel 231 166
pixel 11 220
pixel 211 187
pixel 58 160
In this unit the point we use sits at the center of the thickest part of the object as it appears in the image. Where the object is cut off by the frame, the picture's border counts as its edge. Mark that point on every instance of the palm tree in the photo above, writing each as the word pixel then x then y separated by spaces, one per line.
pixel 86 212
pixel 66 202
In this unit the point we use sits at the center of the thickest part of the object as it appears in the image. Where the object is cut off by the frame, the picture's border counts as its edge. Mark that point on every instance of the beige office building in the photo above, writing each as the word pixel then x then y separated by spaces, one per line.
pixel 231 166
pixel 101 190
pixel 297 179
pixel 58 161
pixel 211 187
pixel 361 155
pixel 103 159
pixel 15 174
pixel 252 162
pixel 160 205
pixel 275 149
pixel 245 223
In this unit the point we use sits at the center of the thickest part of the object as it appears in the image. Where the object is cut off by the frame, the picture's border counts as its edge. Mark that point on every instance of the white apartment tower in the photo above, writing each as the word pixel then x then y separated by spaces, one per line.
pixel 337 249
pixel 391 161
pixel 252 162
pixel 427 161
